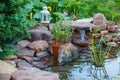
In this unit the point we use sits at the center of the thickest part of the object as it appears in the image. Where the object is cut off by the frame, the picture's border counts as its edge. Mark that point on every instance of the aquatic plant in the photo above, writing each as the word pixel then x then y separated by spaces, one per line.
pixel 99 51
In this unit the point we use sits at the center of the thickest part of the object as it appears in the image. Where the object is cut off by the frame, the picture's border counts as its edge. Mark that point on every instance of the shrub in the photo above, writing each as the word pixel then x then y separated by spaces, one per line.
pixel 14 20
pixel 7 50
pixel 14 23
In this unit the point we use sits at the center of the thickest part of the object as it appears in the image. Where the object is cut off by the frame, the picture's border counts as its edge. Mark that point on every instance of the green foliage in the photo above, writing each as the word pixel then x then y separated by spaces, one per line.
pixel 14 20
pixel 80 8
pixel 14 23
pixel 7 51
pixel 61 33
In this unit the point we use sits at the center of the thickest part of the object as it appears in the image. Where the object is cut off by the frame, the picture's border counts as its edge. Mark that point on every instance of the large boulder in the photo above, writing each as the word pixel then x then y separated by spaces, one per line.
pixel 37 34
pixel 38 46
pixel 34 74
pixel 67 53
pixel 100 21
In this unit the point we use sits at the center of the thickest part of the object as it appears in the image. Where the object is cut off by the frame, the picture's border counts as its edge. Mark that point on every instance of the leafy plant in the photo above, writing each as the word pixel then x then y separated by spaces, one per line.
pixel 61 33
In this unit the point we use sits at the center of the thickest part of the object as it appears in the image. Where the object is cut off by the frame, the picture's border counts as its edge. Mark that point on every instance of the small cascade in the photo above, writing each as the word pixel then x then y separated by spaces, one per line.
pixel 82 33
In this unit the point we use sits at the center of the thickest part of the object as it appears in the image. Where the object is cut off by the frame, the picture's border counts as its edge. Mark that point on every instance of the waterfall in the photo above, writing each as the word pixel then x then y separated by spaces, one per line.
pixel 82 33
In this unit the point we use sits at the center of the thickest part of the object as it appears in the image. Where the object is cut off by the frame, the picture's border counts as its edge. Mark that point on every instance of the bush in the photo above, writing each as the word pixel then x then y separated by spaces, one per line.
pixel 14 23
pixel 7 50
pixel 14 20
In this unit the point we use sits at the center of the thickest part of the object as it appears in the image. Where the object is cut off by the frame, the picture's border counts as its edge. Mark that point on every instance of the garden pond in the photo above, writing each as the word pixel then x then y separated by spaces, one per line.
pixel 82 69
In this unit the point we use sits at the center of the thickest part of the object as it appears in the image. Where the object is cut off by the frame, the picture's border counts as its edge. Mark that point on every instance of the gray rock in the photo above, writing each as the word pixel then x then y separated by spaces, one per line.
pixel 67 53
pixel 5 76
pixel 37 34
pixel 42 54
pixel 79 24
pixel 22 64
pixel 23 43
pixel 34 74
pixel 39 65
pixel 11 62
pixel 25 52
pixel 100 21
pixel 112 44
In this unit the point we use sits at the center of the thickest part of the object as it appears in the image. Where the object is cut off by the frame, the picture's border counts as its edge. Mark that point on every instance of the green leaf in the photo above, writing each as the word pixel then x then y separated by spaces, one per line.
pixel 37 14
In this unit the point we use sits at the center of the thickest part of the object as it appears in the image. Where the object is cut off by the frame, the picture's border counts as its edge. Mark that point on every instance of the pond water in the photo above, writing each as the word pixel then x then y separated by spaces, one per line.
pixel 83 70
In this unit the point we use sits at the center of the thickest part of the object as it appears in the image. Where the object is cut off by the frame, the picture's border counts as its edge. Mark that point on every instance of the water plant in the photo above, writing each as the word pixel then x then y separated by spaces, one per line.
pixel 99 51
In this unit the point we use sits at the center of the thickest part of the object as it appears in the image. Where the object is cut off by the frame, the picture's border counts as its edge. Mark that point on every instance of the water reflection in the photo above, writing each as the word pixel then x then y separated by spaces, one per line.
pixel 99 73
pixel 87 71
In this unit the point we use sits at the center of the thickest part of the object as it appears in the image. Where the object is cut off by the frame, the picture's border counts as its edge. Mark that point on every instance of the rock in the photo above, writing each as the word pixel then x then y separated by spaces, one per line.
pixel 5 76
pixel 110 23
pixel 25 52
pixel 80 24
pixel 37 34
pixel 67 53
pixel 34 74
pixel 108 37
pixel 43 60
pixel 113 28
pixel 116 38
pixel 22 63
pixel 11 62
pixel 27 58
pixel 118 43
pixel 100 21
pixel 23 43
pixel 80 43
pixel 39 65
pixel 10 57
pixel 96 35
pixel 112 44
pixel 42 54
pixel 40 27
pixel 17 47
pixel 104 32
pixel 6 68
pixel 38 46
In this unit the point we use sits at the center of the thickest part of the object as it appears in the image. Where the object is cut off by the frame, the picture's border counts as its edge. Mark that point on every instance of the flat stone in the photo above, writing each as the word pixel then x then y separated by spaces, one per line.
pixel 42 54
pixel 23 63
pixel 78 24
pixel 34 74
pixel 25 52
